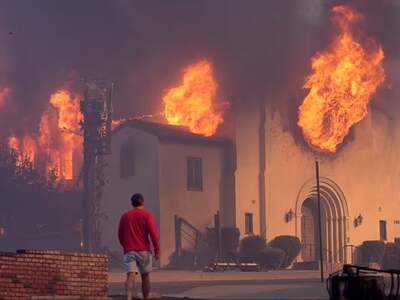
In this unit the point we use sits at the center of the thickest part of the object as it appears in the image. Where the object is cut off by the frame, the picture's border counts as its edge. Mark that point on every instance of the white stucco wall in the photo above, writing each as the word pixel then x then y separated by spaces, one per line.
pixel 118 191
pixel 366 169
pixel 195 206
pixel 247 166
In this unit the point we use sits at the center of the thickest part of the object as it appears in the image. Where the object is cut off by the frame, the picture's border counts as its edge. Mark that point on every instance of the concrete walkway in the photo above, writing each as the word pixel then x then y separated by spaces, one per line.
pixel 118 276
pixel 290 291
pixel 274 285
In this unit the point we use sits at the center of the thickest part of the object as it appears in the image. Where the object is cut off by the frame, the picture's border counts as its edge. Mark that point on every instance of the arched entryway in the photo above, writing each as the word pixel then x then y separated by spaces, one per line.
pixel 334 219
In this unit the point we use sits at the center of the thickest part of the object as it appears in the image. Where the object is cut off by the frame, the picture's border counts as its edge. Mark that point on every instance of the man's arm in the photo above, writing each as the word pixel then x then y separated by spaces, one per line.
pixel 153 232
pixel 121 231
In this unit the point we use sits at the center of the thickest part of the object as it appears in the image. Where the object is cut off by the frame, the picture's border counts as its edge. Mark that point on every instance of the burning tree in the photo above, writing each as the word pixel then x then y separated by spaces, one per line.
pixel 56 151
pixel 33 212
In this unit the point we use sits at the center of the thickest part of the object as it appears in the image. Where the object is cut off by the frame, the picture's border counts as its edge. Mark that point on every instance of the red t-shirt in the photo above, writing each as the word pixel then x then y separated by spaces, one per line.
pixel 135 227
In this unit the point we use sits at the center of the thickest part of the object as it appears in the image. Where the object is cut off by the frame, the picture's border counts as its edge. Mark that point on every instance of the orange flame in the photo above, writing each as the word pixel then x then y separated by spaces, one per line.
pixel 60 133
pixel 25 149
pixel 192 104
pixel 59 144
pixel 344 79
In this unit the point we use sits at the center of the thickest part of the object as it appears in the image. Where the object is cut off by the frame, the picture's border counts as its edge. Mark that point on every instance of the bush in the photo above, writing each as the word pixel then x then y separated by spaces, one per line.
pixel 372 252
pixel 391 258
pixel 230 242
pixel 271 258
pixel 251 247
pixel 291 245
pixel 184 261
pixel 204 254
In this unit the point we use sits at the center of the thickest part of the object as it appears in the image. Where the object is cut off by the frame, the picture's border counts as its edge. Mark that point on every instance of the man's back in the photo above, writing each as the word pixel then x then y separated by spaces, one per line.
pixel 135 228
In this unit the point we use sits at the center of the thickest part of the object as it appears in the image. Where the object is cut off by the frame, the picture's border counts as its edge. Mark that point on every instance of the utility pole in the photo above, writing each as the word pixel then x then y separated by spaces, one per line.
pixel 96 107
pixel 321 257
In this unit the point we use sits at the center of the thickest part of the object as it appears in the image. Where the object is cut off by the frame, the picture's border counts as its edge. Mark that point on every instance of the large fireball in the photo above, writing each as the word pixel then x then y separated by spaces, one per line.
pixel 344 79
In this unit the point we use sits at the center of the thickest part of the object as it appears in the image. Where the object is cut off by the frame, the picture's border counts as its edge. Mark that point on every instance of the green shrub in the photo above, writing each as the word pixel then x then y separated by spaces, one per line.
pixel 372 252
pixel 291 245
pixel 271 258
pixel 251 247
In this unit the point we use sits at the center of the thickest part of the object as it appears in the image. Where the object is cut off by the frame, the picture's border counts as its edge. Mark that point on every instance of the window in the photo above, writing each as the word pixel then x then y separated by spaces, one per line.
pixel 194 174
pixel 127 163
pixel 248 223
pixel 382 230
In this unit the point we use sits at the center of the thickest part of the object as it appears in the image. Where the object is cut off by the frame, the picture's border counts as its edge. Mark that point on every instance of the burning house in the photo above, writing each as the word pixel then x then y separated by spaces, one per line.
pixel 275 176
pixel 181 170
pixel 179 173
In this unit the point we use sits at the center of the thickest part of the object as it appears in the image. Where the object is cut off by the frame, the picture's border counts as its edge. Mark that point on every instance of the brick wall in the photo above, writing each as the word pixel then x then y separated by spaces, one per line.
pixel 32 274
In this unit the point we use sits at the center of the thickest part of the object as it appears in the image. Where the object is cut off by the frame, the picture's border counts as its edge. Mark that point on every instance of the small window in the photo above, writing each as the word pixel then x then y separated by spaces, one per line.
pixel 194 174
pixel 127 162
pixel 382 230
pixel 248 223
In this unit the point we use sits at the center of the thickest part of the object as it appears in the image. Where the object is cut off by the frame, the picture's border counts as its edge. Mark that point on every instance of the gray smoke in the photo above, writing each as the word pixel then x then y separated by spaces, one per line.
pixel 258 47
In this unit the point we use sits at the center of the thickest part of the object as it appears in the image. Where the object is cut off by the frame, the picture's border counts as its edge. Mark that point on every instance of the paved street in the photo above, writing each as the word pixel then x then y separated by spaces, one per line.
pixel 274 285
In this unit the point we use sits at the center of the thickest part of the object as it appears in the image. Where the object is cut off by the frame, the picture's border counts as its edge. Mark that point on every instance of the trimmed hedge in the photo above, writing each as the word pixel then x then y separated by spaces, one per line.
pixel 372 252
pixel 204 254
pixel 254 249
pixel 230 237
pixel 251 246
pixel 291 246
pixel 185 261
pixel 271 258
pixel 391 259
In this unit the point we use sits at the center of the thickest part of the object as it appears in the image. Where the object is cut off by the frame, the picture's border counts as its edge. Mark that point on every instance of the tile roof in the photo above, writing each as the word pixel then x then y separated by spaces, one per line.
pixel 171 133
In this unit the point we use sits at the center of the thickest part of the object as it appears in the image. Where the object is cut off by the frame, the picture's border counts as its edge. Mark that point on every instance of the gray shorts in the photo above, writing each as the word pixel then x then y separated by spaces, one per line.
pixel 138 262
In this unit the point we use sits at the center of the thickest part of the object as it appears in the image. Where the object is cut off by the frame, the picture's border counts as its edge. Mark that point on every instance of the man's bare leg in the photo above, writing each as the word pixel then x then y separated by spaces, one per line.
pixel 129 285
pixel 145 286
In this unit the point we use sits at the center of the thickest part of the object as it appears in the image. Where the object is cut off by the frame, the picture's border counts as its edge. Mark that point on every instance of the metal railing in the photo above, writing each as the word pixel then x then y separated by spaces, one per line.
pixel 349 270
pixel 185 231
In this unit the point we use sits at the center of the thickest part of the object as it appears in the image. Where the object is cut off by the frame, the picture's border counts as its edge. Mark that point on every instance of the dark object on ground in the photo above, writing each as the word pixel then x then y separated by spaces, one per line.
pixel 391 259
pixel 363 283
pixel 204 254
pixel 227 266
pixel 253 249
pixel 230 242
pixel 251 246
pixel 291 245
pixel 372 252
pixel 185 261
pixel 271 258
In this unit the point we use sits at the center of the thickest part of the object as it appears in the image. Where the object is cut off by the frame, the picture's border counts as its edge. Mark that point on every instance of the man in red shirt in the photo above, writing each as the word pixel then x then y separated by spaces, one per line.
pixel 135 228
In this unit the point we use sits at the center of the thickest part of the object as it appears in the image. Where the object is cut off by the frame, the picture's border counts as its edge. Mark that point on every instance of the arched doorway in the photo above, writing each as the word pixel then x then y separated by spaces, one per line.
pixel 334 219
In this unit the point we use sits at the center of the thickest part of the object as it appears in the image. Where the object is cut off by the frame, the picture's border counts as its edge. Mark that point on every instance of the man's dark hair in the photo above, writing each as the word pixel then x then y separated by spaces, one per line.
pixel 137 200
